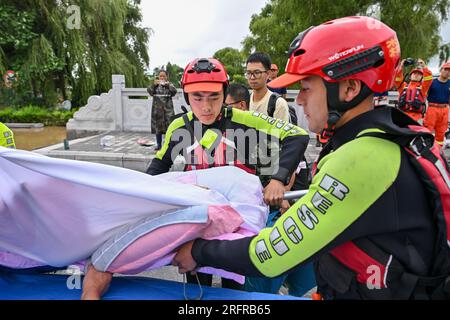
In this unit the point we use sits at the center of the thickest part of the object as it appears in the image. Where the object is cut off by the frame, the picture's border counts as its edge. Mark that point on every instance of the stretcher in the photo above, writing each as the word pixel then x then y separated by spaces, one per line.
pixel 56 212
pixel 20 286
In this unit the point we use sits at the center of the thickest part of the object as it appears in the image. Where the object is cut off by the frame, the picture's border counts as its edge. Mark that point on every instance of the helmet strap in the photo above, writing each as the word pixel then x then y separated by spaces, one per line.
pixel 336 107
pixel 333 118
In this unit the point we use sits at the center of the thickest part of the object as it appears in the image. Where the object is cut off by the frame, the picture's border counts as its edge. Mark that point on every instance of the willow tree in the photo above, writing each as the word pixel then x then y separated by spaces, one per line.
pixel 78 44
pixel 416 23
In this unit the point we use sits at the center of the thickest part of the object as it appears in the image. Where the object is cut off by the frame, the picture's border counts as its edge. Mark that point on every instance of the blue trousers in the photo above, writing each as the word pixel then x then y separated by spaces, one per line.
pixel 299 282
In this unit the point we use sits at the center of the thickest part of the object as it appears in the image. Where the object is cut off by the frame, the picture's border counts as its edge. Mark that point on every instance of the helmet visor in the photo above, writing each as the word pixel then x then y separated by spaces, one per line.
pixel 203 86
pixel 286 80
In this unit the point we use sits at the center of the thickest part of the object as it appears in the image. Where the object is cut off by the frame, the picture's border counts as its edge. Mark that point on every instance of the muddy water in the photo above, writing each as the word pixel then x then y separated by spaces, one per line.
pixel 35 138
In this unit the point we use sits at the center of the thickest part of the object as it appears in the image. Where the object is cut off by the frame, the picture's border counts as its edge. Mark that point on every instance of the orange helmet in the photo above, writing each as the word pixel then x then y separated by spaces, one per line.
pixel 417 70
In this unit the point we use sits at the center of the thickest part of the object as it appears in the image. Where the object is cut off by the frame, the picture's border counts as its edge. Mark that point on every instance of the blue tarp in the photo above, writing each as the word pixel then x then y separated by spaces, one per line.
pixel 54 287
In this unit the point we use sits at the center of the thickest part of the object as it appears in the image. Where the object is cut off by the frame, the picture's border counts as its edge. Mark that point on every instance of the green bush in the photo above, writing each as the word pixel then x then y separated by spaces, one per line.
pixel 35 114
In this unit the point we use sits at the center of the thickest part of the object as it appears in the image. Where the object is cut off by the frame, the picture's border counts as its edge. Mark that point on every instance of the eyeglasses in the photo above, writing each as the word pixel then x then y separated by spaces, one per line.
pixel 255 74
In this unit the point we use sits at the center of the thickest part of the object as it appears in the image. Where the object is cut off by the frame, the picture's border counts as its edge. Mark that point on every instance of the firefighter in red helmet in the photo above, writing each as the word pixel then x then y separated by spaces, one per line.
pixel 213 135
pixel 367 221
pixel 413 91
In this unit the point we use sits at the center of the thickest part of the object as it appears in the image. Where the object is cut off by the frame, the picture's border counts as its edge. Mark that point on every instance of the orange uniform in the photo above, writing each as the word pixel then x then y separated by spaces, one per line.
pixel 424 86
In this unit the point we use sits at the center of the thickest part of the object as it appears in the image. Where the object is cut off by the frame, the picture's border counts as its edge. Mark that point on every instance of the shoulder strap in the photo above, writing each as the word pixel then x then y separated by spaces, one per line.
pixel 418 143
pixel 272 104
pixel 228 112
pixel 188 124
pixel 189 127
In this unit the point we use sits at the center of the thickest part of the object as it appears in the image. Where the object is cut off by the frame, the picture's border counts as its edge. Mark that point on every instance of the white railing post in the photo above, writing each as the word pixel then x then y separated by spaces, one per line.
pixel 118 83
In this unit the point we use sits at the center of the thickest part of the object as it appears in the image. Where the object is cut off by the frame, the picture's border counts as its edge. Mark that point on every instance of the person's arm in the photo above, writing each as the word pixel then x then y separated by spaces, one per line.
pixel 292 145
pixel 164 158
pixel 151 89
pixel 158 166
pixel 292 139
pixel 402 86
pixel 95 283
pixel 427 80
pixel 285 203
pixel 341 193
pixel 172 90
pixel 399 75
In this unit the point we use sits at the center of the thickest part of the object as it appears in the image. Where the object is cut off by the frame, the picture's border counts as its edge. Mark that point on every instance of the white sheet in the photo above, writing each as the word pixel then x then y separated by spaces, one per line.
pixel 58 211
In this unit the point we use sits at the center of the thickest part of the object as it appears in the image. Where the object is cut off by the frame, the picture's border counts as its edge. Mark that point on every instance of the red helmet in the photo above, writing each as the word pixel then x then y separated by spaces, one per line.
pixel 347 48
pixel 445 66
pixel 416 70
pixel 205 74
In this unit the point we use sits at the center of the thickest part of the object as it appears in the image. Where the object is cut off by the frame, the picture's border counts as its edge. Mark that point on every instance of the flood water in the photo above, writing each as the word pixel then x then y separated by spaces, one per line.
pixel 35 138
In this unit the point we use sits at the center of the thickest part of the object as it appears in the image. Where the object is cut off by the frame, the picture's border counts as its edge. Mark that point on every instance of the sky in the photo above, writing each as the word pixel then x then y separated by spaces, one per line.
pixel 188 29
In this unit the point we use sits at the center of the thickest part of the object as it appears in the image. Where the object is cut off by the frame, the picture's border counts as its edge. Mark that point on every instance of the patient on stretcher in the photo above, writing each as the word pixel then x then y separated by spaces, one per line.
pixel 56 212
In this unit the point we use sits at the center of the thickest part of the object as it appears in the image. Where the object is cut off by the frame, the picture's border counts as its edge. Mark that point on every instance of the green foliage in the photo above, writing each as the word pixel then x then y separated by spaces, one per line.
pixel 416 23
pixel 175 74
pixel 16 27
pixel 234 62
pixel 52 53
pixel 35 114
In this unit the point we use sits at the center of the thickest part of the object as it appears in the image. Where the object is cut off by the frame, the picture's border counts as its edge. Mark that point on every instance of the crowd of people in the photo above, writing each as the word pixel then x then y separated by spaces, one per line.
pixel 368 204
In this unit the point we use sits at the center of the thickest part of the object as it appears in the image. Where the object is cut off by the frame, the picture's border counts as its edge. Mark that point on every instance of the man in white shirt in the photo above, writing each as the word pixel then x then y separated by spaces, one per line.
pixel 257 73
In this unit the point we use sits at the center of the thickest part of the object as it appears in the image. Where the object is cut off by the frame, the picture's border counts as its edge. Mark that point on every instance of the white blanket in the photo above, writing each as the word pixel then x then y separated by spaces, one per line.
pixel 58 211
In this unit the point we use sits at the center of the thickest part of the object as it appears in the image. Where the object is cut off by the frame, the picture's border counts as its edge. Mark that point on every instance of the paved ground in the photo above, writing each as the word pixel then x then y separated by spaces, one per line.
pixel 122 149
pixel 124 145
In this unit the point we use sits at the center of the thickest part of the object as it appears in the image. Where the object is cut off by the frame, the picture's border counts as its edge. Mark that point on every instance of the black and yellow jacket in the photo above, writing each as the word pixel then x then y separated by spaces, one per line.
pixel 365 188
pixel 6 137
pixel 259 142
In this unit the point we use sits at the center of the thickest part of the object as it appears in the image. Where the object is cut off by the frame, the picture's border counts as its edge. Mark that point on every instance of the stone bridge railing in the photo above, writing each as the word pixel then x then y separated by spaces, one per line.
pixel 129 109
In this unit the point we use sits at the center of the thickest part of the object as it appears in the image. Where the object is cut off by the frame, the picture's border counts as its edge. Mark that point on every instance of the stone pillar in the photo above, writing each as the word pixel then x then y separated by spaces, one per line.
pixel 118 83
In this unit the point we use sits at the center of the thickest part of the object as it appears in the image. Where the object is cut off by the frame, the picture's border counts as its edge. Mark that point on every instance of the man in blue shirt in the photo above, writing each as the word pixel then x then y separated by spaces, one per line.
pixel 436 118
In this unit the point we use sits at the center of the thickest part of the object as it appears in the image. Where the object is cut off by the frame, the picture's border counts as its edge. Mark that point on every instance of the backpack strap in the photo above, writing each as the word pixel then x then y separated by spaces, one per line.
pixel 272 104
pixel 419 143
pixel 228 112
pixel 188 124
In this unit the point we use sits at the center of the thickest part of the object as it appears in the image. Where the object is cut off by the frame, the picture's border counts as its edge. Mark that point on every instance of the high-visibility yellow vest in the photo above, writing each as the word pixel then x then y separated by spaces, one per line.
pixel 6 137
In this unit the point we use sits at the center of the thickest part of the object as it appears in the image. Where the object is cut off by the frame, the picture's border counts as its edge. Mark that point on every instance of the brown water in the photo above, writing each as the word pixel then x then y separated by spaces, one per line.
pixel 35 138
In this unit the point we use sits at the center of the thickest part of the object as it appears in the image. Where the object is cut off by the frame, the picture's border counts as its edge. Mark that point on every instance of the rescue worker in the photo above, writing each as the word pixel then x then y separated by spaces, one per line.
pixel 213 134
pixel 436 119
pixel 204 84
pixel 413 91
pixel 366 207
